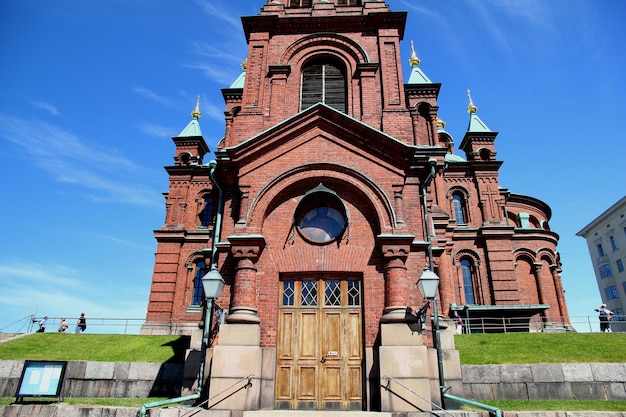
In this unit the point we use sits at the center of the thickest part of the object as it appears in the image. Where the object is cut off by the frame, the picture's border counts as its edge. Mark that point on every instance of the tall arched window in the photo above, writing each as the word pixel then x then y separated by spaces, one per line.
pixel 206 215
pixel 468 281
pixel 323 81
pixel 198 289
pixel 458 203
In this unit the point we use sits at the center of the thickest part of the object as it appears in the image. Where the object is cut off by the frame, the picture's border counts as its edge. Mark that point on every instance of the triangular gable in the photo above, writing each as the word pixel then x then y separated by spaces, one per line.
pixel 355 134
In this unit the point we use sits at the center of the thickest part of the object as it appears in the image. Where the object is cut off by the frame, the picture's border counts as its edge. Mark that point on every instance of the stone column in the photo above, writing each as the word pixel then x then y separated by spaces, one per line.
pixel 246 249
pixel 395 250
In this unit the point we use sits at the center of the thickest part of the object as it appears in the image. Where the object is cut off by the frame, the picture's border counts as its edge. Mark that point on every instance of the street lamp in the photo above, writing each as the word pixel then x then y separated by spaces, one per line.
pixel 213 284
pixel 428 284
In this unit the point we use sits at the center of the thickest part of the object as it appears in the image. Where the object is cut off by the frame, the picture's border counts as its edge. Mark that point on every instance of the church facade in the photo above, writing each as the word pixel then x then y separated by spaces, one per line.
pixel 334 186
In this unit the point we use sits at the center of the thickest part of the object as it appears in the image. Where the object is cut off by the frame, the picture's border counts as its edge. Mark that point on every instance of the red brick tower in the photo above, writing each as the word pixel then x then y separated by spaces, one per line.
pixel 334 185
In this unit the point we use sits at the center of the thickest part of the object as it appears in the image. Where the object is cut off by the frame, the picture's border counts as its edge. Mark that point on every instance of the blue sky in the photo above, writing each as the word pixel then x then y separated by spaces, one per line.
pixel 91 92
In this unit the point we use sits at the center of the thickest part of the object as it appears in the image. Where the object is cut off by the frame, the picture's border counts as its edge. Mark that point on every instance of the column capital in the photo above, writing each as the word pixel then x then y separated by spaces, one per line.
pixel 395 246
pixel 246 246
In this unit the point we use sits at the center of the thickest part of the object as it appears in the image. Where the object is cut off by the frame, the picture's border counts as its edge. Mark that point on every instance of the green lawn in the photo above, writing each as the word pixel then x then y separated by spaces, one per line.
pixel 96 348
pixel 527 348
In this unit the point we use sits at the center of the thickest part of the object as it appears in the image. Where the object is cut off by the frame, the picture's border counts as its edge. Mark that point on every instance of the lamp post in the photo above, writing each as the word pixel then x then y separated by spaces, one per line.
pixel 213 284
pixel 428 284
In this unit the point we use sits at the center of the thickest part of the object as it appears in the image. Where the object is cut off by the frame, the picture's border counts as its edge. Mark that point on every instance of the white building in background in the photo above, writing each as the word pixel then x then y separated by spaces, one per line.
pixel 606 240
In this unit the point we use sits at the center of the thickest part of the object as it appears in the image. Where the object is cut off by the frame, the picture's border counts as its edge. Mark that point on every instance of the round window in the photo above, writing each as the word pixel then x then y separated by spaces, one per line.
pixel 320 217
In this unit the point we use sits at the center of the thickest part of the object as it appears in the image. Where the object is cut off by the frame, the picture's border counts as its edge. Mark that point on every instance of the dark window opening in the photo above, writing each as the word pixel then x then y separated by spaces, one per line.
pixel 300 3
pixel 198 289
pixel 206 215
pixel 468 281
pixel 459 208
pixel 323 82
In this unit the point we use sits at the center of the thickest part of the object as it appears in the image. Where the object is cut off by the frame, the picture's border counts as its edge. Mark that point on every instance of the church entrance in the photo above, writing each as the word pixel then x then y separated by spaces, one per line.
pixel 320 343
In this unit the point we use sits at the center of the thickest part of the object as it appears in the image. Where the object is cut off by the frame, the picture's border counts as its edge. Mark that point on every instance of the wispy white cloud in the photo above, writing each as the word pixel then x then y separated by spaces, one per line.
pixel 74 161
pixel 156 130
pixel 47 107
pixel 150 95
pixel 219 74
pixel 216 10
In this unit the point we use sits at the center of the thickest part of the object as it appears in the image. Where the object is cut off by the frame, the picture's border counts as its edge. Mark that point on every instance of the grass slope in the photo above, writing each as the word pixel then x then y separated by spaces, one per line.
pixel 529 348
pixel 96 348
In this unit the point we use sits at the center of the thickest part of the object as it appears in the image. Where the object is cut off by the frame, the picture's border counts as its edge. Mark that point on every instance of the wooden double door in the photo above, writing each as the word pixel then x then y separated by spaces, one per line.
pixel 319 361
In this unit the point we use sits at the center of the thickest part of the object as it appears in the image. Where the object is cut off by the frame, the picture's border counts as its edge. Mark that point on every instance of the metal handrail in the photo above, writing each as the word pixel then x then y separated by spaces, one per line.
pixel 389 379
pixel 493 410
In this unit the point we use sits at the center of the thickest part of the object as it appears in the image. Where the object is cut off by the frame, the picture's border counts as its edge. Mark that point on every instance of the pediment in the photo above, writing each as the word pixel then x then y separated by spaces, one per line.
pixel 327 129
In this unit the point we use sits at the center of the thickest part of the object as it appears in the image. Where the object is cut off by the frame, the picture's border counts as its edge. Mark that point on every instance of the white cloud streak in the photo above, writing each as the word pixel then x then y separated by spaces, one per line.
pixel 49 108
pixel 73 161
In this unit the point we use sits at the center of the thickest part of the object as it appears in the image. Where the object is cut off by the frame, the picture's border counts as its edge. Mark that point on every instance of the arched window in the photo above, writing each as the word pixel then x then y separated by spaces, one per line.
pixel 198 289
pixel 468 281
pixel 458 203
pixel 323 81
pixel 206 215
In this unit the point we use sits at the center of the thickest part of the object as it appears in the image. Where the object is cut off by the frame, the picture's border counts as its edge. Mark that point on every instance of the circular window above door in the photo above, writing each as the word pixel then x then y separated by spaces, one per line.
pixel 321 216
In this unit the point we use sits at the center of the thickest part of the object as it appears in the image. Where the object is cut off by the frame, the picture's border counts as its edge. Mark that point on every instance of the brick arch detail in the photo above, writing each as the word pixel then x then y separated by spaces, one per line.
pixel 267 196
pixel 528 254
pixel 466 253
pixel 547 254
pixel 313 44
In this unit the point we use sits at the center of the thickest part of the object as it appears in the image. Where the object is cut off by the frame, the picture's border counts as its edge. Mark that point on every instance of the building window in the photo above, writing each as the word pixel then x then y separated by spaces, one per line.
pixel 458 203
pixel 321 217
pixel 198 290
pixel 624 285
pixel 600 249
pixel 611 292
pixel 206 215
pixel 620 265
pixel 288 293
pixel 613 243
pixel 468 281
pixel 605 271
pixel 300 3
pixel 349 2
pixel 619 315
pixel 323 81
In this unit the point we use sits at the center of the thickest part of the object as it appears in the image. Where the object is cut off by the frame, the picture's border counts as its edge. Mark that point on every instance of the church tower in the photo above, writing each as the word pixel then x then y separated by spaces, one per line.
pixel 334 185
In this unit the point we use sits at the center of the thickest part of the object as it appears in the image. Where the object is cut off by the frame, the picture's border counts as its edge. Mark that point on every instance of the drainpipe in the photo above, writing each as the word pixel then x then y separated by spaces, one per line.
pixel 209 311
pixel 217 230
pixel 429 233
pixel 442 382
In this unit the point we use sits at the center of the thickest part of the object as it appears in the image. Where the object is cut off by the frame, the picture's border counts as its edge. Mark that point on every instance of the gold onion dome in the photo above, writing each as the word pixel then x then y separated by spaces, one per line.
pixel 471 109
pixel 196 112
pixel 244 64
pixel 441 123
pixel 414 61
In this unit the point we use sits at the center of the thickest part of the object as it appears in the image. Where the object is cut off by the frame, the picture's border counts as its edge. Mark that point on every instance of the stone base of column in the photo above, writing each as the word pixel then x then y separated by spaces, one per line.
pixel 237 361
pixel 395 314
pixel 404 370
pixel 243 315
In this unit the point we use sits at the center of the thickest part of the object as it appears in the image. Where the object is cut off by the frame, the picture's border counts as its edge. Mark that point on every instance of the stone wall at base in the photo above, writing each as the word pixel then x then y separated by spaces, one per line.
pixel 106 379
pixel 565 381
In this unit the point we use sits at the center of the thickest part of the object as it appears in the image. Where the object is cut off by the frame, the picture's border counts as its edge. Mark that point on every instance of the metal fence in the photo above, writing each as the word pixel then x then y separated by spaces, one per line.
pixel 580 324
pixel 104 325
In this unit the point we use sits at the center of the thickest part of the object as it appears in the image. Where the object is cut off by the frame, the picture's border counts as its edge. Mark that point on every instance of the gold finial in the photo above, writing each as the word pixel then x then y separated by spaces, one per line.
pixel 441 123
pixel 196 112
pixel 471 109
pixel 244 64
pixel 414 61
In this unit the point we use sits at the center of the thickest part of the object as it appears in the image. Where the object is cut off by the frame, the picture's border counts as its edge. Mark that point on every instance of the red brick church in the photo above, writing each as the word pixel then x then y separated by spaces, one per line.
pixel 334 185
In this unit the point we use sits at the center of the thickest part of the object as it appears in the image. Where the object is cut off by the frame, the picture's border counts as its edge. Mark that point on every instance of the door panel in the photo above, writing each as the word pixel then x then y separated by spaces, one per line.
pixel 319 346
